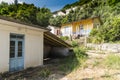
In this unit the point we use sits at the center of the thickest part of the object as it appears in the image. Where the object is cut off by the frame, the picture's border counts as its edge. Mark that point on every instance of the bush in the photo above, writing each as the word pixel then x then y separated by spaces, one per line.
pixel 75 44
pixel 112 61
pixel 108 32
pixel 64 38
pixel 80 53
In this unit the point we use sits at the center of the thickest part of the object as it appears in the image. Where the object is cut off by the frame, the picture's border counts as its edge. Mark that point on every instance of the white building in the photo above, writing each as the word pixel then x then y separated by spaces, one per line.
pixel 58 13
pixel 61 13
pixel 25 45
pixel 54 30
pixel 21 45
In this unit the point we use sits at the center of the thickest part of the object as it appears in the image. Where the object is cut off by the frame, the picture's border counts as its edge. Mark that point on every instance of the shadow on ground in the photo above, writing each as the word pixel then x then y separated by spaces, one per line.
pixel 54 69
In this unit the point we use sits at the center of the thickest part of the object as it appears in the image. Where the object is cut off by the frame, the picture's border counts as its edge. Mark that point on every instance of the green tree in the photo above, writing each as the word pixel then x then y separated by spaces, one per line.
pixel 56 21
pixel 107 10
pixel 26 13
pixel 43 17
pixel 15 2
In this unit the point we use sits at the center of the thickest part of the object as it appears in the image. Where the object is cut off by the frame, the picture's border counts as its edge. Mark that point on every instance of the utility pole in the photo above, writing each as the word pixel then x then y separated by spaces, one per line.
pixel 86 35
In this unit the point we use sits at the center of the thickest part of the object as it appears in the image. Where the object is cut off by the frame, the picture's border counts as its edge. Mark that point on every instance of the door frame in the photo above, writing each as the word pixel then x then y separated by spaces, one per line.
pixel 23 48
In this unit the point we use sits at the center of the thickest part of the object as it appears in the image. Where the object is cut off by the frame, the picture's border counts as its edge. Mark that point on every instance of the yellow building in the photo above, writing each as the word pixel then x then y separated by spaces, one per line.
pixel 80 28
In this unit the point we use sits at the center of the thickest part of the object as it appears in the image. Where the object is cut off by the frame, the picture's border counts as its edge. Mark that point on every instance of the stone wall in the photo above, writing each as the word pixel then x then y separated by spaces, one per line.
pixel 106 47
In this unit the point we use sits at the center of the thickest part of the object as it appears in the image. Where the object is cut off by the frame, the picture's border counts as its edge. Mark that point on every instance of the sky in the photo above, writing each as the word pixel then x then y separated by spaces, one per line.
pixel 53 5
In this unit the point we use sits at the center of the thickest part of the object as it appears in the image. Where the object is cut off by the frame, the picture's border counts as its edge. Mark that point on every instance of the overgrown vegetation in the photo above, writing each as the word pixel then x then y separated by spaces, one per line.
pixel 73 62
pixel 44 72
pixel 75 44
pixel 78 3
pixel 64 38
pixel 108 32
pixel 26 13
pixel 112 61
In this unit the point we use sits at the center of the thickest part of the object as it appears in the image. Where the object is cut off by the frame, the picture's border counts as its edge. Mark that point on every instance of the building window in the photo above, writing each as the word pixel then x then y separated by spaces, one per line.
pixel 81 30
pixel 81 27
pixel 67 30
pixel 16 36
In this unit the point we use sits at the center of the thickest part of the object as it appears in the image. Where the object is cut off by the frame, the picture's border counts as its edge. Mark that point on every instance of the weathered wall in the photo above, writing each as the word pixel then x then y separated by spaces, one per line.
pixel 106 47
pixel 33 49
pixel 59 52
pixel 87 24
pixel 47 49
pixel 50 51
pixel 4 50
pixel 69 32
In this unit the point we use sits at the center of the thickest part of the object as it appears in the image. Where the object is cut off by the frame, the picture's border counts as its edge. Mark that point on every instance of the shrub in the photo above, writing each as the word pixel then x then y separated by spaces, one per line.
pixel 107 32
pixel 64 38
pixel 75 44
pixel 80 52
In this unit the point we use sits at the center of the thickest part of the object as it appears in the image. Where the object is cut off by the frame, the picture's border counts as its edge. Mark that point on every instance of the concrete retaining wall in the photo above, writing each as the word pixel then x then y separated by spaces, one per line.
pixel 106 47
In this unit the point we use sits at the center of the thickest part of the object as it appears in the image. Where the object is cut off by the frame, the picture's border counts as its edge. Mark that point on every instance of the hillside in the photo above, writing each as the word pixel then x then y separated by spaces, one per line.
pixel 78 3
pixel 82 2
pixel 109 13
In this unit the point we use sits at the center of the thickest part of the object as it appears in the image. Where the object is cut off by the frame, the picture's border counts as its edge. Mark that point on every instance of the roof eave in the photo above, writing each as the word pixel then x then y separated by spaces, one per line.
pixel 8 20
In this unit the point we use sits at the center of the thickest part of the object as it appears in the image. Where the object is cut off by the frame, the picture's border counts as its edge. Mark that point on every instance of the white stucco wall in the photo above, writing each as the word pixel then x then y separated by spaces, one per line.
pixel 69 31
pixel 33 49
pixel 52 29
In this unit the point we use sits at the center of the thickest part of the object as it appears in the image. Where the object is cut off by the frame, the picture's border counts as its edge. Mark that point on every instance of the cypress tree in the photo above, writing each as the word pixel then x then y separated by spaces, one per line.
pixel 15 2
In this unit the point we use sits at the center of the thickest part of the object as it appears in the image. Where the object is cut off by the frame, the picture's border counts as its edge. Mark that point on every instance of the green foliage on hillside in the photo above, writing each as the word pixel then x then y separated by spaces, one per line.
pixel 26 12
pixel 107 10
pixel 78 3
pixel 108 32
pixel 82 2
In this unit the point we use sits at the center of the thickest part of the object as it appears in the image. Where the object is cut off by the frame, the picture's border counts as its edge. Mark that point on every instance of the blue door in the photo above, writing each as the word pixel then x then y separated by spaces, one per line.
pixel 16 53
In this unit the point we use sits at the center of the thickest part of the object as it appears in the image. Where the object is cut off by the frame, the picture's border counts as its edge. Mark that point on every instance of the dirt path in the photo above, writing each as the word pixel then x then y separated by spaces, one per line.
pixel 91 70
